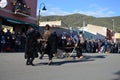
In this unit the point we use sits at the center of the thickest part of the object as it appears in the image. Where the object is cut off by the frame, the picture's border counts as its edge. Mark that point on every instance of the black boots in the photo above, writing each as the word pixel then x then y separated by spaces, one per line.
pixel 30 61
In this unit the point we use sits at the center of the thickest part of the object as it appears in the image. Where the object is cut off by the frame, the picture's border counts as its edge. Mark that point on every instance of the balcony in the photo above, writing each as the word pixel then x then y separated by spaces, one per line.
pixel 21 9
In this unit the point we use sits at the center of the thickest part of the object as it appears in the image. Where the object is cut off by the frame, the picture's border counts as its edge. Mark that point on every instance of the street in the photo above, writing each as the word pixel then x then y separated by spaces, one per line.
pixel 94 66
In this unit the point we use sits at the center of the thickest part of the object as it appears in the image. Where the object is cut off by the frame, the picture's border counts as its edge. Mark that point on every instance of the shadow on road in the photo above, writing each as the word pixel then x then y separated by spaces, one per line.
pixel 95 56
pixel 65 61
pixel 118 74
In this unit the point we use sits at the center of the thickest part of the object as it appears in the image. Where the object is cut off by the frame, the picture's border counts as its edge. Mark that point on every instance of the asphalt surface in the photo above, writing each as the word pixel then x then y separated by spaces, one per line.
pixel 92 67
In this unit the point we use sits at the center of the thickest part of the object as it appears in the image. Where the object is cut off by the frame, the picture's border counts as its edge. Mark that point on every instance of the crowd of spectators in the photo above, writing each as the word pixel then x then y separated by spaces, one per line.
pixel 12 42
pixel 91 45
pixel 15 42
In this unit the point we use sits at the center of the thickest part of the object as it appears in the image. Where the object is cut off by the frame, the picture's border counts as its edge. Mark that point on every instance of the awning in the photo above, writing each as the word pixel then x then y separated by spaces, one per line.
pixel 14 21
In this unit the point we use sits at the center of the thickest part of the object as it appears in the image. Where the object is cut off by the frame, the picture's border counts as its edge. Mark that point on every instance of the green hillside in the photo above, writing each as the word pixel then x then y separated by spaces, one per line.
pixel 76 20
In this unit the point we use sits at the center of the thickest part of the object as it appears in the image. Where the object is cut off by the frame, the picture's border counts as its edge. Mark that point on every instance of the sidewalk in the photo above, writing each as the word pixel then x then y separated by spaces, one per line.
pixel 92 67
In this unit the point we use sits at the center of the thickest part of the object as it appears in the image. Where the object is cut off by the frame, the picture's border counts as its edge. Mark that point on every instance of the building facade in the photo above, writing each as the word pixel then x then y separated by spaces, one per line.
pixel 96 32
pixel 58 23
pixel 18 14
pixel 58 26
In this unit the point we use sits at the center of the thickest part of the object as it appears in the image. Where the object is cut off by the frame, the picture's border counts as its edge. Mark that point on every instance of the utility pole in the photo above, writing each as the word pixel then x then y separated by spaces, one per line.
pixel 113 25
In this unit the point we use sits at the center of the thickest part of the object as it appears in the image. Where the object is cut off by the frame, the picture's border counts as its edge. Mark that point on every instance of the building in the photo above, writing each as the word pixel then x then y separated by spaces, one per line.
pixel 18 14
pixel 58 26
pixel 58 23
pixel 96 32
pixel 117 37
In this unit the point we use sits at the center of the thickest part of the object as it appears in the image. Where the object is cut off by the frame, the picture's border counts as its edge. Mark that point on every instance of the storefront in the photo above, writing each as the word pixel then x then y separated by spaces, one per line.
pixel 17 15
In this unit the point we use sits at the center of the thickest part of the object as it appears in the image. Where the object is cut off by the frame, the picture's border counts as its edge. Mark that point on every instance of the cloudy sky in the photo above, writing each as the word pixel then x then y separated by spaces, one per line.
pixel 96 8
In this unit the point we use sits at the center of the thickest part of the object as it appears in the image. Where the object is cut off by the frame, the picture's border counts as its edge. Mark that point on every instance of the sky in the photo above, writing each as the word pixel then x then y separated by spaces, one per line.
pixel 96 8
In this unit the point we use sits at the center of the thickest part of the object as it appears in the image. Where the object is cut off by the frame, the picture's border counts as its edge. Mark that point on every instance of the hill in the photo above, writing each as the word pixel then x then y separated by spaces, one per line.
pixel 75 20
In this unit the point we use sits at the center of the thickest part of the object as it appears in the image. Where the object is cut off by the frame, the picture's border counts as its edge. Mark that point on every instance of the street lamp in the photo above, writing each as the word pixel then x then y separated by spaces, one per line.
pixel 44 8
pixel 113 24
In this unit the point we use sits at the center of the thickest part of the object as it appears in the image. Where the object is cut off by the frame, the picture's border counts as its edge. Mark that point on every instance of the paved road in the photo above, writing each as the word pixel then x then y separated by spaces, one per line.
pixel 92 67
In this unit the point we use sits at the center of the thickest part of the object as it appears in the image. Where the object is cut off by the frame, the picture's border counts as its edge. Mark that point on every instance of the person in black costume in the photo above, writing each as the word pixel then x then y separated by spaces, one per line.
pixel 51 43
pixel 79 47
pixel 46 34
pixel 39 43
pixel 31 46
